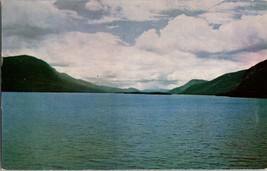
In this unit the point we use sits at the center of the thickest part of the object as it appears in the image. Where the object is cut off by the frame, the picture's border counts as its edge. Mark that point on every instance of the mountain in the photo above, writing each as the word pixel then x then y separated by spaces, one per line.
pixel 245 83
pixel 29 74
pixel 160 90
pixel 178 90
pixel 219 85
pixel 253 83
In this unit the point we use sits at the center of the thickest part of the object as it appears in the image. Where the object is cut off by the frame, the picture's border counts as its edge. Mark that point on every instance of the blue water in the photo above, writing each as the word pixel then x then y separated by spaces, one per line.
pixel 119 131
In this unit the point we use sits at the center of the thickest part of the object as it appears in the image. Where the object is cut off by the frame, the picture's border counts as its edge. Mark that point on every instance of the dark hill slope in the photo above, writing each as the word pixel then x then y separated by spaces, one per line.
pixel 254 82
pixel 220 85
pixel 29 74
pixel 178 90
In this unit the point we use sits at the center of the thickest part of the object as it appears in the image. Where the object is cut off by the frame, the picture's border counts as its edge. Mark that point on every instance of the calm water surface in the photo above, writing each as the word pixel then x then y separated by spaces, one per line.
pixel 116 131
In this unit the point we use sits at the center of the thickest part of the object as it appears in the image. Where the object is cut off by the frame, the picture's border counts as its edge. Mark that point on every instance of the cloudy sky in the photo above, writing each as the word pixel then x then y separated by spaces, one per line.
pixel 146 44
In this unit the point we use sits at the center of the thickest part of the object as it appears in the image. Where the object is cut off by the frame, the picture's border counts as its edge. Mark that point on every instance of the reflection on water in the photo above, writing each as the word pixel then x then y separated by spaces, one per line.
pixel 115 131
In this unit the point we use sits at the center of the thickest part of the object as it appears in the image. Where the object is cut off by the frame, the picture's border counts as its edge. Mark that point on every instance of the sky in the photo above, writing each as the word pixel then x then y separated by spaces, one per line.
pixel 145 44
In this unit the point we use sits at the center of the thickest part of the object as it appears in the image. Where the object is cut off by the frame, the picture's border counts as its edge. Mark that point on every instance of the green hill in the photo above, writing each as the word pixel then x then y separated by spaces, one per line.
pixel 179 90
pixel 245 83
pixel 29 74
pixel 220 85
pixel 253 83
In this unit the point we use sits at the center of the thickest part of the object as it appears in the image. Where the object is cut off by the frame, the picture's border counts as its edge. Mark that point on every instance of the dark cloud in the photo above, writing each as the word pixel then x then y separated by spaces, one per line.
pixel 172 13
pixel 26 31
pixel 254 1
pixel 60 64
pixel 215 26
pixel 261 6
pixel 79 6
pixel 253 7
pixel 160 81
pixel 225 55
pixel 23 35
pixel 110 75
pixel 253 48
pixel 153 50
pixel 128 31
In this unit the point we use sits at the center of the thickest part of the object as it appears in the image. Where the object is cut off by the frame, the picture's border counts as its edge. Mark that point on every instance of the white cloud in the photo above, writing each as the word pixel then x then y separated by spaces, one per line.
pixel 93 5
pixel 186 34
pixel 252 58
pixel 203 69
pixel 194 34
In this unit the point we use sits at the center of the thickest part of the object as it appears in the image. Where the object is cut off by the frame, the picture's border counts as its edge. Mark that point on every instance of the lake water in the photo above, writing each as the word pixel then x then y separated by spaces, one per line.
pixel 119 131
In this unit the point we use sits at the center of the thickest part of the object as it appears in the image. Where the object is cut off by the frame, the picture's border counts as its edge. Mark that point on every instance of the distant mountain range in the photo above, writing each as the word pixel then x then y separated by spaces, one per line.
pixel 181 89
pixel 222 84
pixel 29 74
pixel 245 83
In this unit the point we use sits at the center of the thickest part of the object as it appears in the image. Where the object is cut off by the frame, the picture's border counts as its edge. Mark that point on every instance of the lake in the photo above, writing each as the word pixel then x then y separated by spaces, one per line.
pixel 124 131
